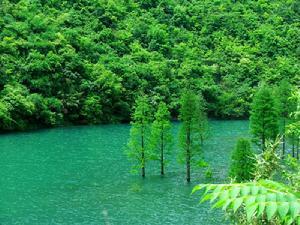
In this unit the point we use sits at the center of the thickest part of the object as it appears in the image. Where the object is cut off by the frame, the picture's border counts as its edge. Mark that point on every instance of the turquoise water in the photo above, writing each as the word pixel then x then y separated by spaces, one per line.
pixel 80 175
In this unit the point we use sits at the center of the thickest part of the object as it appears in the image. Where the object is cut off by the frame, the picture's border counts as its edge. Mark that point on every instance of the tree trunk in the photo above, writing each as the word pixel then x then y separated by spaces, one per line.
pixel 263 138
pixel 188 155
pixel 263 142
pixel 143 154
pixel 283 139
pixel 298 148
pixel 162 172
pixel 293 145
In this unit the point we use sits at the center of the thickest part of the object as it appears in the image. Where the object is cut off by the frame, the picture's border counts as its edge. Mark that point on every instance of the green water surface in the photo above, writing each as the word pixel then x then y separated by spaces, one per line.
pixel 80 175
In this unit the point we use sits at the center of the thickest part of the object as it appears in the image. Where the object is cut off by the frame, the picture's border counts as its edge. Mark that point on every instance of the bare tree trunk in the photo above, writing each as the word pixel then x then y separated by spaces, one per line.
pixel 283 139
pixel 162 172
pixel 298 148
pixel 188 155
pixel 263 138
pixel 263 142
pixel 293 145
pixel 143 154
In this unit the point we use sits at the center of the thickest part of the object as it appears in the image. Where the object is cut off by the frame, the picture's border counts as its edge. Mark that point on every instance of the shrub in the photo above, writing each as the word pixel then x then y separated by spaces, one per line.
pixel 242 164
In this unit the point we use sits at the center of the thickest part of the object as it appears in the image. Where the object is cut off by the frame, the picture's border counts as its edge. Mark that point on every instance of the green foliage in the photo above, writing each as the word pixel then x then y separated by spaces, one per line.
pixel 286 107
pixel 261 201
pixel 138 145
pixel 264 199
pixel 47 111
pixel 293 129
pixel 19 108
pixel 101 53
pixel 191 131
pixel 242 161
pixel 208 173
pixel 268 162
pixel 291 172
pixel 16 103
pixel 92 109
pixel 203 121
pixel 161 136
pixel 189 116
pixel 287 104
pixel 264 116
pixel 5 116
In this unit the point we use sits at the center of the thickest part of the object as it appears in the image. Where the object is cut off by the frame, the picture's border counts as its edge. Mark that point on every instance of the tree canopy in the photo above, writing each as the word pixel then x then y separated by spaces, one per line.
pixel 85 61
pixel 264 119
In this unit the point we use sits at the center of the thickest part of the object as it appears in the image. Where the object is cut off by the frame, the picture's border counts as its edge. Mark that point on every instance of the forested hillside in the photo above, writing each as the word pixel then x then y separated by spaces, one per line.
pixel 86 61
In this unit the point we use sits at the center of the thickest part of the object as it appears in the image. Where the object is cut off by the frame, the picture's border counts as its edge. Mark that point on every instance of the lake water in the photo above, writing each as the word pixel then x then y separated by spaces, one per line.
pixel 80 175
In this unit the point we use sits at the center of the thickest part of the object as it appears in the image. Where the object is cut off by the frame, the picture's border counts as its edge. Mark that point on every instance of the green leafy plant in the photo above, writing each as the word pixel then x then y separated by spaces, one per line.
pixel 291 172
pixel 191 116
pixel 161 137
pixel 242 161
pixel 138 144
pixel 293 129
pixel 264 116
pixel 98 54
pixel 261 200
pixel 286 105
pixel 268 162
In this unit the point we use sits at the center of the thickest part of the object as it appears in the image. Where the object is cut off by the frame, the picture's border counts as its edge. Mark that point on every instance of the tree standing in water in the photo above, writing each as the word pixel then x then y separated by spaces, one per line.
pixel 242 161
pixel 264 117
pixel 286 105
pixel 161 136
pixel 203 121
pixel 293 129
pixel 190 132
pixel 139 134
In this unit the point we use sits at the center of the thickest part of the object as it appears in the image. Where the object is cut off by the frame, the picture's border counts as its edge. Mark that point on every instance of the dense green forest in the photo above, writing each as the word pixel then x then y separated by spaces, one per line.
pixel 86 61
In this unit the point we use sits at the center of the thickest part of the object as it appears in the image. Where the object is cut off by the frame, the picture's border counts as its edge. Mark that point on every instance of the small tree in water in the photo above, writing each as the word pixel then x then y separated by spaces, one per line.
pixel 190 133
pixel 293 129
pixel 243 161
pixel 139 134
pixel 161 137
pixel 203 121
pixel 264 117
pixel 286 106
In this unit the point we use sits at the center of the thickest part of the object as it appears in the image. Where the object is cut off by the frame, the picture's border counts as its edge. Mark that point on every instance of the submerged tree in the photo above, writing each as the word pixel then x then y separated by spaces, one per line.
pixel 286 106
pixel 161 137
pixel 139 134
pixel 190 133
pixel 293 129
pixel 203 121
pixel 243 161
pixel 264 116
pixel 293 136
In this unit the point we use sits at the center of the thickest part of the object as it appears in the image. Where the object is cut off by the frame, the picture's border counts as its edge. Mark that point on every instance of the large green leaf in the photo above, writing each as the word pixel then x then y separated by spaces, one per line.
pixel 258 199
pixel 237 203
pixel 271 209
pixel 251 211
pixel 283 209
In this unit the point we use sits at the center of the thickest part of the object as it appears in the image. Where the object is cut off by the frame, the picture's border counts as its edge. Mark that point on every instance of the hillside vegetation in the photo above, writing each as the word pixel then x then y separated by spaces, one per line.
pixel 86 61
